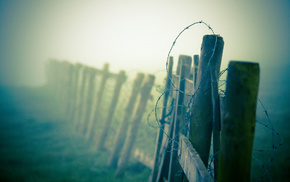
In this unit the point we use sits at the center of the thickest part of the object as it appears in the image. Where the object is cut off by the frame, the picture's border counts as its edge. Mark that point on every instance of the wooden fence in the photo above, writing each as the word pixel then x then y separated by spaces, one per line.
pixel 200 117
pixel 200 113
pixel 81 90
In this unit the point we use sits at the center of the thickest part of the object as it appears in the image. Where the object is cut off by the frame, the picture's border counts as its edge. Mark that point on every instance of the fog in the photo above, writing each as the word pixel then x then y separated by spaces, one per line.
pixel 134 36
pixel 137 35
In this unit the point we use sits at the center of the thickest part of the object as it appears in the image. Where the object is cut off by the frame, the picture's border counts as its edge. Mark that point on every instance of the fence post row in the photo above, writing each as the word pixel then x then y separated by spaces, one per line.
pixel 121 133
pixel 89 100
pixel 73 87
pixel 84 87
pixel 132 133
pixel 97 106
pixel 77 86
pixel 231 122
pixel 157 156
pixel 121 78
pixel 81 98
pixel 179 123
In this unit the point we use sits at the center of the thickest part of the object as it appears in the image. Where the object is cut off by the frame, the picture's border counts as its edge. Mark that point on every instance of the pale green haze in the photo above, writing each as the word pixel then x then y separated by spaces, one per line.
pixel 136 35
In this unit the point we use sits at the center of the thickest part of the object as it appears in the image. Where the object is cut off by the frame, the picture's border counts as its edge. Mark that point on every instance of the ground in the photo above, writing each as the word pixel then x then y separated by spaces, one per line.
pixel 38 144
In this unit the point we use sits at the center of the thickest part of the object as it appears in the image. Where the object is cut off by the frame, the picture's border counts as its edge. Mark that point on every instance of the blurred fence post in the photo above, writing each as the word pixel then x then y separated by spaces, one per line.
pixel 180 124
pixel 96 109
pixel 76 92
pixel 132 133
pixel 89 100
pixel 71 68
pixel 238 122
pixel 121 78
pixel 160 133
pixel 82 96
pixel 122 132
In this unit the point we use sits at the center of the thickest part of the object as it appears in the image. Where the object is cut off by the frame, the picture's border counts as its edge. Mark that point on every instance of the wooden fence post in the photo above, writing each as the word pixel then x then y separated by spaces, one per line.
pixel 82 96
pixel 96 109
pixel 65 74
pixel 238 122
pixel 59 79
pixel 121 78
pixel 132 134
pixel 160 133
pixel 71 91
pixel 71 69
pixel 121 134
pixel 180 124
pixel 195 69
pixel 214 75
pixel 201 120
pixel 76 91
pixel 166 153
pixel 88 102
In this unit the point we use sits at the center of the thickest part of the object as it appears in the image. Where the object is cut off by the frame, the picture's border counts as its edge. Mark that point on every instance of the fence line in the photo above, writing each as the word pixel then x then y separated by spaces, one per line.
pixel 86 100
pixel 184 135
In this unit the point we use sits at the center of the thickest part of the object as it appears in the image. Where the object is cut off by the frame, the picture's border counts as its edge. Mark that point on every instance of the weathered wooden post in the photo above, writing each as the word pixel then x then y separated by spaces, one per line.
pixel 121 78
pixel 202 116
pixel 60 79
pixel 87 106
pixel 89 99
pixel 71 91
pixel 166 153
pixel 85 74
pixel 180 125
pixel 99 98
pixel 214 76
pixel 59 68
pixel 122 132
pixel 195 68
pixel 76 91
pixel 132 133
pixel 160 133
pixel 70 72
pixel 238 122
pixel 65 70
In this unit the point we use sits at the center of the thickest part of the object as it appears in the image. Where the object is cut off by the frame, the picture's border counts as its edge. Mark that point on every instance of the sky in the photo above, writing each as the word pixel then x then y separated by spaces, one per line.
pixel 137 35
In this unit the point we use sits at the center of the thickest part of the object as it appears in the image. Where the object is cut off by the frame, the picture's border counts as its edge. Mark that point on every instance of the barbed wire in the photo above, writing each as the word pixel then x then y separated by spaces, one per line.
pixel 189 114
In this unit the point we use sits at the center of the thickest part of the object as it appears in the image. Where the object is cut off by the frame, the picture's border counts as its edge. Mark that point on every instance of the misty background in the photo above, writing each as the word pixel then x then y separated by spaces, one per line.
pixel 137 35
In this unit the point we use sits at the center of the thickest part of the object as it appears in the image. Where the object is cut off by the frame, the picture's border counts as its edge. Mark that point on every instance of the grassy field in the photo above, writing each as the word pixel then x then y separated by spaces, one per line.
pixel 37 143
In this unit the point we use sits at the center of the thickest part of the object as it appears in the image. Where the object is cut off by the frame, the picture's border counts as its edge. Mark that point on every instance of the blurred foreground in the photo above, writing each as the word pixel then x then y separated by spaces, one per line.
pixel 38 144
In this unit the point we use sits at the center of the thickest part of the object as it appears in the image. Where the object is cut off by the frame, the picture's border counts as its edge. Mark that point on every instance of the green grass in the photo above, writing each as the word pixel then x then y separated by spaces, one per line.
pixel 38 144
